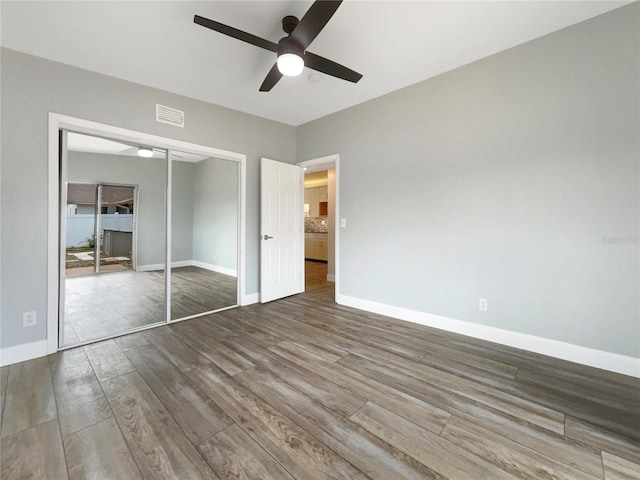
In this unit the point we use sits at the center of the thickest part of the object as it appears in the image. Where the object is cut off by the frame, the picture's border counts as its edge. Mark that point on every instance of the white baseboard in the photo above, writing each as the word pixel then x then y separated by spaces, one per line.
pixel 215 268
pixel 331 278
pixel 20 353
pixel 150 267
pixel 612 362
pixel 188 263
pixel 250 299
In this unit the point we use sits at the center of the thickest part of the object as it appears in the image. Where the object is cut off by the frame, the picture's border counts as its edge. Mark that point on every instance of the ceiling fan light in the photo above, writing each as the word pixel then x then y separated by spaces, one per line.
pixel 145 152
pixel 290 64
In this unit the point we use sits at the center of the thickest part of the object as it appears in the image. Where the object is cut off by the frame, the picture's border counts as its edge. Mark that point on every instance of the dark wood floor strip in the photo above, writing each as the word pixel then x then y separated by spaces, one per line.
pixel 107 360
pixel 510 456
pixel 235 455
pixel 603 439
pixel 298 451
pixel 366 451
pixel 34 453
pixel 616 468
pixel 225 358
pixel 434 451
pixel 412 408
pixel 4 377
pixel 303 388
pixel 196 414
pixel 30 400
pixel 79 397
pixel 160 448
pixel 536 414
pixel 100 451
pixel 177 351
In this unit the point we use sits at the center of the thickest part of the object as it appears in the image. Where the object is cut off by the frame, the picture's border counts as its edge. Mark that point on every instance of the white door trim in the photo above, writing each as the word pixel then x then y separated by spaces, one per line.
pixel 56 123
pixel 323 163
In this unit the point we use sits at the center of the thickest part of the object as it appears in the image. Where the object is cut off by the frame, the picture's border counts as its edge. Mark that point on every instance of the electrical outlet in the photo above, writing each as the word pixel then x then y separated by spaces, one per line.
pixel 483 304
pixel 343 223
pixel 29 319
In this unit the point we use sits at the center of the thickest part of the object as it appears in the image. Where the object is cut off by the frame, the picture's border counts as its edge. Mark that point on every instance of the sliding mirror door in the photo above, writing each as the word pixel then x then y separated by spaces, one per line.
pixel 113 239
pixel 204 234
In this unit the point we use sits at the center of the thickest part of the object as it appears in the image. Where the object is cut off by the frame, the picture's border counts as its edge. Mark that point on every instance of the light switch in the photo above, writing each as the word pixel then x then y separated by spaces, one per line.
pixel 343 222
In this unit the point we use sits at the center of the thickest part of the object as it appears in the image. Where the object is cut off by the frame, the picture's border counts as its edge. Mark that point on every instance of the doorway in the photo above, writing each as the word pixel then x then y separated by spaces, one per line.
pixel 99 228
pixel 321 224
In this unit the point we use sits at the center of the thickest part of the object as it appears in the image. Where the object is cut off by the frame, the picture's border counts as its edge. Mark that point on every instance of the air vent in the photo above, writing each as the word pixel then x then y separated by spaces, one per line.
pixel 169 115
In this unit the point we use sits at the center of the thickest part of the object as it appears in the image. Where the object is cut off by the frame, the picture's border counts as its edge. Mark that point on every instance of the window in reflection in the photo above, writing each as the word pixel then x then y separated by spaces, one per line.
pixel 114 239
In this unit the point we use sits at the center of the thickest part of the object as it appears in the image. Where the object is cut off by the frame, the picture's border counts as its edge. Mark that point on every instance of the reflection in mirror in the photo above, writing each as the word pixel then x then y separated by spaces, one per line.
pixel 204 234
pixel 114 212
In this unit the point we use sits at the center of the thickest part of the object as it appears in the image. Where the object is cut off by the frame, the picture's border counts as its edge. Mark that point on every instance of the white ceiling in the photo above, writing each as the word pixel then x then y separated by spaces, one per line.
pixel 392 43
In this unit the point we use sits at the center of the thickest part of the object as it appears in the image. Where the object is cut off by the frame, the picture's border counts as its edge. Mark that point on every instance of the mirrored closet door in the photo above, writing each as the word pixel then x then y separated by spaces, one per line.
pixel 204 234
pixel 119 213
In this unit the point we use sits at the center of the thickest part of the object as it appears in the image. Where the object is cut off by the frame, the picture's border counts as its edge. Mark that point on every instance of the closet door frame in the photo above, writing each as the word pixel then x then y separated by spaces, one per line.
pixel 57 151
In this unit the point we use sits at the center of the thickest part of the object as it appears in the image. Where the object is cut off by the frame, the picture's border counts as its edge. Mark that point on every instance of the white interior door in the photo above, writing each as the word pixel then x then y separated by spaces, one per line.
pixel 281 238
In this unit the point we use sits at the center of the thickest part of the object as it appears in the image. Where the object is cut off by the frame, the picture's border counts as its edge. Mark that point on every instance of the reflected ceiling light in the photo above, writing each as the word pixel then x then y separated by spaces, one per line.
pixel 145 152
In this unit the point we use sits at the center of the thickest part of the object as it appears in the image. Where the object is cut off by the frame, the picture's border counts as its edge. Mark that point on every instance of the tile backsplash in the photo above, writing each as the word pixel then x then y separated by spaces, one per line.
pixel 315 224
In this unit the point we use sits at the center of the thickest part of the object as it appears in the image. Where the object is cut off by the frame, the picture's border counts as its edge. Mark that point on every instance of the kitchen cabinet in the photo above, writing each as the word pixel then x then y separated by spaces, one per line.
pixel 313 196
pixel 316 246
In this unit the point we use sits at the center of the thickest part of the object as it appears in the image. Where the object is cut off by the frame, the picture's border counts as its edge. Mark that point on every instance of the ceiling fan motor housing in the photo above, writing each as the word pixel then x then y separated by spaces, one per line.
pixel 288 45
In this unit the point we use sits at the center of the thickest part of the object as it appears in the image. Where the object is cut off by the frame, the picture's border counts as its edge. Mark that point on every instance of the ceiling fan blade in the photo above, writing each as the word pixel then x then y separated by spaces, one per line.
pixel 273 77
pixel 314 21
pixel 235 33
pixel 324 65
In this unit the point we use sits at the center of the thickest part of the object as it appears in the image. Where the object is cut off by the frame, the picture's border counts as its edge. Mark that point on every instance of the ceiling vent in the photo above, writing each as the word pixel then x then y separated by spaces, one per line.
pixel 169 115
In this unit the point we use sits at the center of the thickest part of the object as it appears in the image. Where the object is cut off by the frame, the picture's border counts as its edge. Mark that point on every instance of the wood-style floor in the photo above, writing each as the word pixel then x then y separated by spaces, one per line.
pixel 305 389
pixel 98 306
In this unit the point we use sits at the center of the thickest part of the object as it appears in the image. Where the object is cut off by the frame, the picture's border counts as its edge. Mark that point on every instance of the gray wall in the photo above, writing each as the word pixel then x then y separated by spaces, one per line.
pixel 182 177
pixel 215 216
pixel 33 87
pixel 514 179
pixel 149 174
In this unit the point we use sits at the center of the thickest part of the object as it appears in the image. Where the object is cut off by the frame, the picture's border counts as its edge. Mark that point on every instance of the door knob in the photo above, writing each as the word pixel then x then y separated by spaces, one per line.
pixel 266 237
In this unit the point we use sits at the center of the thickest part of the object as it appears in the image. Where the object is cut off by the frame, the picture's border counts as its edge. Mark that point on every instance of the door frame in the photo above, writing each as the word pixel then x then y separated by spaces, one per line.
pixel 318 164
pixel 59 122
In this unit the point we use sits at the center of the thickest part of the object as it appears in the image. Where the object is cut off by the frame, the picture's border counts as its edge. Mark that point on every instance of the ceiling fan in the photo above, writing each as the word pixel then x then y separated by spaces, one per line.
pixel 291 50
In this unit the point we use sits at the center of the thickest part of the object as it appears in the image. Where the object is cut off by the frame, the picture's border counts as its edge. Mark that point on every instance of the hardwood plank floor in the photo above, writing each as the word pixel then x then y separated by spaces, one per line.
pixel 157 443
pixel 79 396
pixel 302 388
pixel 4 377
pixel 30 400
pixel 234 455
pixel 100 451
pixel 203 418
pixel 35 452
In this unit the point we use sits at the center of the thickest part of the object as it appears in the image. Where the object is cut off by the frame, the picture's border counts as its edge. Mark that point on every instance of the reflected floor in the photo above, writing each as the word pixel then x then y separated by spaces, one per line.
pixel 97 306
pixel 195 290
